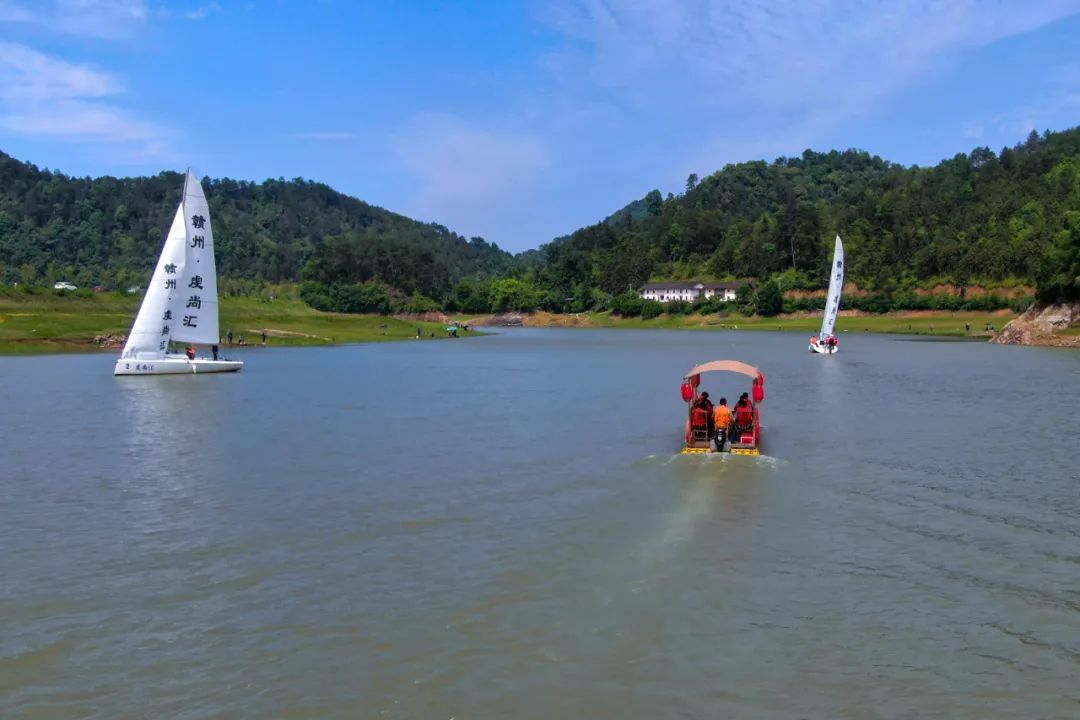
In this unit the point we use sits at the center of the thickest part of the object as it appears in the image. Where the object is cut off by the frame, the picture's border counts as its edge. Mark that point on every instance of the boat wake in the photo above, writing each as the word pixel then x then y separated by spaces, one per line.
pixel 676 527
pixel 707 458
pixel 708 482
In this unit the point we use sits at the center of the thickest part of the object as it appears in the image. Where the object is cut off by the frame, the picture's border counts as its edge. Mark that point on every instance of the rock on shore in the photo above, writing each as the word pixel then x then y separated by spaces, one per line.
pixel 538 318
pixel 436 317
pixel 110 341
pixel 1038 325
pixel 505 320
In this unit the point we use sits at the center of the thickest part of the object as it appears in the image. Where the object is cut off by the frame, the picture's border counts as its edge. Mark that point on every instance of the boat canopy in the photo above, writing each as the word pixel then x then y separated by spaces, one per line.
pixel 725 366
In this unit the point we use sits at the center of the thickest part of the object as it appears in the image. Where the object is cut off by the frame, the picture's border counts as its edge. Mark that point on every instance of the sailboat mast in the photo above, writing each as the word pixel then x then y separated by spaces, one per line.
pixel 187 177
pixel 183 202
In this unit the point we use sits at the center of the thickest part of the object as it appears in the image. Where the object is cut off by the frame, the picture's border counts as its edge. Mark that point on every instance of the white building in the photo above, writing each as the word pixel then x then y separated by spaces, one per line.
pixel 690 291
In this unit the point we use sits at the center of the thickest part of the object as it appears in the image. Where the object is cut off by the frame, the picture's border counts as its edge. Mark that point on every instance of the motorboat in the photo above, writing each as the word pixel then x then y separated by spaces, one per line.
pixel 744 432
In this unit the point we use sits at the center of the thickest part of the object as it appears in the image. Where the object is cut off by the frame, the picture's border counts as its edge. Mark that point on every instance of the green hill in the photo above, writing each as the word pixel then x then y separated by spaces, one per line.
pixel 1005 218
pixel 109 231
pixel 981 217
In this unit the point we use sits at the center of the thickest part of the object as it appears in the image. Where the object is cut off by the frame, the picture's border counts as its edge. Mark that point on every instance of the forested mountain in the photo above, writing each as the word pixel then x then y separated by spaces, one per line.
pixel 109 230
pixel 982 216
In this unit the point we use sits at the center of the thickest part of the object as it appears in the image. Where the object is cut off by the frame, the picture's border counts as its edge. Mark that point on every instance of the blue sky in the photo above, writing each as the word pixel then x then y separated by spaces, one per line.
pixel 521 121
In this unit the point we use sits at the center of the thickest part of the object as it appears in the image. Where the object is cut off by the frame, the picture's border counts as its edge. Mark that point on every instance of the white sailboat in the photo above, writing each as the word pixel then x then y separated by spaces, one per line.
pixel 181 300
pixel 826 342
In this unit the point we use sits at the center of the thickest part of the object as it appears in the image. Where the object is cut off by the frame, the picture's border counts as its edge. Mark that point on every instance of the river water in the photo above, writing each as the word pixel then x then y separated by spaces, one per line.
pixel 501 527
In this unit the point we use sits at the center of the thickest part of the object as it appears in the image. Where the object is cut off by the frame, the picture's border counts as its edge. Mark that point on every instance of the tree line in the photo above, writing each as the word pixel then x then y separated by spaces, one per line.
pixel 109 231
pixel 1000 219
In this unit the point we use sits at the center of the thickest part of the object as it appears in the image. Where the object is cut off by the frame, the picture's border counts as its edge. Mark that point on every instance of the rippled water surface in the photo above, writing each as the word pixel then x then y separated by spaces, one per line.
pixel 501 528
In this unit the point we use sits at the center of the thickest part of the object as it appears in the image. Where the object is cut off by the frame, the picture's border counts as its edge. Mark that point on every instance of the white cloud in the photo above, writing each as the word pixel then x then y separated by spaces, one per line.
pixel 108 19
pixel 12 13
pixel 201 13
pixel 456 161
pixel 328 136
pixel 75 121
pixel 1056 106
pixel 761 67
pixel 45 97
pixel 790 52
pixel 972 131
pixel 467 172
pixel 28 75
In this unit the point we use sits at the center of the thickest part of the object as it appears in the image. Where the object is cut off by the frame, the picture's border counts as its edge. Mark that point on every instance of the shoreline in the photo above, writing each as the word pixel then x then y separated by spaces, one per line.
pixel 71 346
pixel 65 346
pixel 51 324
pixel 972 325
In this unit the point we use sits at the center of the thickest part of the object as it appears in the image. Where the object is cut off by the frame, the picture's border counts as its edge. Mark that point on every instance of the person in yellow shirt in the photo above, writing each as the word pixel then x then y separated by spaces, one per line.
pixel 721 421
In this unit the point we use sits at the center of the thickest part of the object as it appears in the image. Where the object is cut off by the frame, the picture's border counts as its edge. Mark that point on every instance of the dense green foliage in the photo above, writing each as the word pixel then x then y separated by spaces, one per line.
pixel 364 297
pixel 109 231
pixel 1059 272
pixel 982 217
pixel 768 301
pixel 997 219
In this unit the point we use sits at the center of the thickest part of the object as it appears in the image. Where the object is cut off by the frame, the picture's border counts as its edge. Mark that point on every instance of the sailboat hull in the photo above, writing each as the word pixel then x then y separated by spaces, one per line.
pixel 181 301
pixel 818 344
pixel 823 349
pixel 175 365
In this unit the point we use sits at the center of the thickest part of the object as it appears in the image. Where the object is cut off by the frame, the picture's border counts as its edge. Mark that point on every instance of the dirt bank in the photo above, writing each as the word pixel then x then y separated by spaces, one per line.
pixel 535 319
pixel 435 317
pixel 941 289
pixel 1040 325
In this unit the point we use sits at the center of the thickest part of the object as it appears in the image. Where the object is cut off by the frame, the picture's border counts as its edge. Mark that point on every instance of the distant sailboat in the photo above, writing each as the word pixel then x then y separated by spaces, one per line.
pixel 826 341
pixel 181 303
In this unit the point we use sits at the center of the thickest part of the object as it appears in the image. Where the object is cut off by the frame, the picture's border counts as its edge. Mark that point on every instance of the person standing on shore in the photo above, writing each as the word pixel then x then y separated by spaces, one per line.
pixel 228 335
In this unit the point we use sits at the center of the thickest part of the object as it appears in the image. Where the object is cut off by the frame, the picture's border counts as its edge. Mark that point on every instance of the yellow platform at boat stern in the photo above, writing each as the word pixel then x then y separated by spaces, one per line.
pixel 733 451
pixel 745 451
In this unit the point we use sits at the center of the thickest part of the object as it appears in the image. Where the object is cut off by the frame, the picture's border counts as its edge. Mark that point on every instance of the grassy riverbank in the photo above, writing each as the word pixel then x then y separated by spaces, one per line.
pixel 68 323
pixel 49 322
pixel 939 323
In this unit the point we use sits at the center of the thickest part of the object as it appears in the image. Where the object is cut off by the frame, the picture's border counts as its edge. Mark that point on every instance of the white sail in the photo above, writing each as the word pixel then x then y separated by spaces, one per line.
pixel 157 319
pixel 197 306
pixel 836 284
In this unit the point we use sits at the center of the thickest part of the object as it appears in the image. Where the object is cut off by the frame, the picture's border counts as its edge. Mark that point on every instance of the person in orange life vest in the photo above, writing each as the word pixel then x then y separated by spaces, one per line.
pixel 190 351
pixel 721 421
